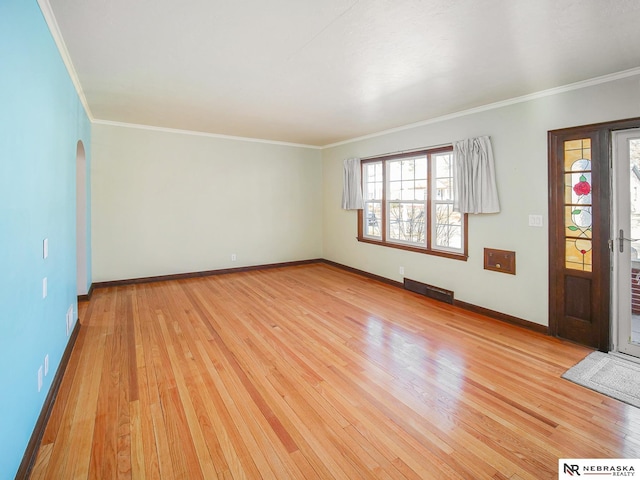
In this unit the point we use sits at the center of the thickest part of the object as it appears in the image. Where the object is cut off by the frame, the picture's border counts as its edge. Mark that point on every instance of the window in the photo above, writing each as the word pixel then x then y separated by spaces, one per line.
pixel 408 204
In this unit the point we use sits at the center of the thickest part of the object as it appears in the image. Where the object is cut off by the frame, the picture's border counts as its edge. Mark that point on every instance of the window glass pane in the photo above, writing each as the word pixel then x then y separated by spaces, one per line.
pixel 373 172
pixel 373 191
pixel 443 166
pixel 443 177
pixel 634 204
pixel 420 190
pixel 372 185
pixel 407 190
pixel 421 167
pixel 442 235
pixel 408 169
pixel 378 191
pixel 369 173
pixel 442 212
pixel 448 228
pixel 449 236
pixel 367 193
pixel 407 222
pixel 416 232
pixel 455 237
pixel 443 189
pixel 395 220
pixel 394 171
pixel 395 190
pixel 372 219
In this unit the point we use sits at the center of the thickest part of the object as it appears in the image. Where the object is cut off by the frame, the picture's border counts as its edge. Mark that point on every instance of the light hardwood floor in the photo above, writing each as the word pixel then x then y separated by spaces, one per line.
pixel 313 372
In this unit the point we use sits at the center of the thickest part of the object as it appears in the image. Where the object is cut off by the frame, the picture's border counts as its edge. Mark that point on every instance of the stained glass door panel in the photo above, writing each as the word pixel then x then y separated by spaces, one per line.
pixel 578 214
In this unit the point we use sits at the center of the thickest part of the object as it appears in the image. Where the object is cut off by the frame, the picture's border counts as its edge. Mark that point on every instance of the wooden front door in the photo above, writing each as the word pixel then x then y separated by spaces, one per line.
pixel 579 236
pixel 580 232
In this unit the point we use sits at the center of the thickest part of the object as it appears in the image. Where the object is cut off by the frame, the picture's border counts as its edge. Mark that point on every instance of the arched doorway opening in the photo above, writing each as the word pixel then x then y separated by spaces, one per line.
pixel 81 219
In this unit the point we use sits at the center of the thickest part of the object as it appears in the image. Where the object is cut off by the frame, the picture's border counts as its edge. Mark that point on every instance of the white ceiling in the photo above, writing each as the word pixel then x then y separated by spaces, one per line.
pixel 318 72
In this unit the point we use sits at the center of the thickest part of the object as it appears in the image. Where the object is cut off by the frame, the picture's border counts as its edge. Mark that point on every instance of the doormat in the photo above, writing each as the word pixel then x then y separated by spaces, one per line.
pixel 614 376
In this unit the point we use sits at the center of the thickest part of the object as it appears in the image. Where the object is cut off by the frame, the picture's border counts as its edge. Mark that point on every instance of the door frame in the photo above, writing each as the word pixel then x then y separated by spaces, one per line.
pixel 601 154
pixel 81 220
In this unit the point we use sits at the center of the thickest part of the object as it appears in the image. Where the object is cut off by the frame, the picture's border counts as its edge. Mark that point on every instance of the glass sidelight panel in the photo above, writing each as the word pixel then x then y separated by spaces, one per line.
pixel 626 232
pixel 634 236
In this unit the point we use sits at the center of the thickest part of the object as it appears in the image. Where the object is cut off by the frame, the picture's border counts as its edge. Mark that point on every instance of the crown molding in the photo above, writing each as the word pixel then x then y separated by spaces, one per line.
pixel 503 103
pixel 50 19
pixel 203 134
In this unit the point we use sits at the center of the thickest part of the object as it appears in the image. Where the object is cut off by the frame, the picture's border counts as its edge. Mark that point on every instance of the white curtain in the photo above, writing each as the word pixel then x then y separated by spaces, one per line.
pixel 474 179
pixel 352 185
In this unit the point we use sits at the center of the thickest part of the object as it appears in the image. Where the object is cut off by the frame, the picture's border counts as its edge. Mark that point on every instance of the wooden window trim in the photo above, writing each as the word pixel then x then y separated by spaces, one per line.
pixel 400 246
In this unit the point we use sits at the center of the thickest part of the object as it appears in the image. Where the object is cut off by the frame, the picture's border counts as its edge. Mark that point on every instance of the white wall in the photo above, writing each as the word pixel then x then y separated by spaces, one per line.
pixel 166 203
pixel 519 139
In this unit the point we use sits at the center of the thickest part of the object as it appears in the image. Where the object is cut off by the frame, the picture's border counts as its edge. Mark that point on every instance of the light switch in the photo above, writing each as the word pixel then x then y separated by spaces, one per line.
pixel 535 220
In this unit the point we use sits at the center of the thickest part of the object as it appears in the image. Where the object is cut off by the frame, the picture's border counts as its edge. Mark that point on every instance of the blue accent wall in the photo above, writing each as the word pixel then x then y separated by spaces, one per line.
pixel 41 121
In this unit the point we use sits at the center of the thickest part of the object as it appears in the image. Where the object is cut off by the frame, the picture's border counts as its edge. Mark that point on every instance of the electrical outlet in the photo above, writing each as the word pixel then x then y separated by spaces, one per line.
pixel 46 364
pixel 401 270
pixel 40 378
pixel 69 319
pixel 233 257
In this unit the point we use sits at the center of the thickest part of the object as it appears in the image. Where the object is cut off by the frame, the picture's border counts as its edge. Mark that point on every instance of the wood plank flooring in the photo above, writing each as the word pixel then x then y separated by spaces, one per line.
pixel 313 372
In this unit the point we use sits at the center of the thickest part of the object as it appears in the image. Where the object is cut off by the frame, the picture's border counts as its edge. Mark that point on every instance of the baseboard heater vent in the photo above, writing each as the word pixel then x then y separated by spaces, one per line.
pixel 430 291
